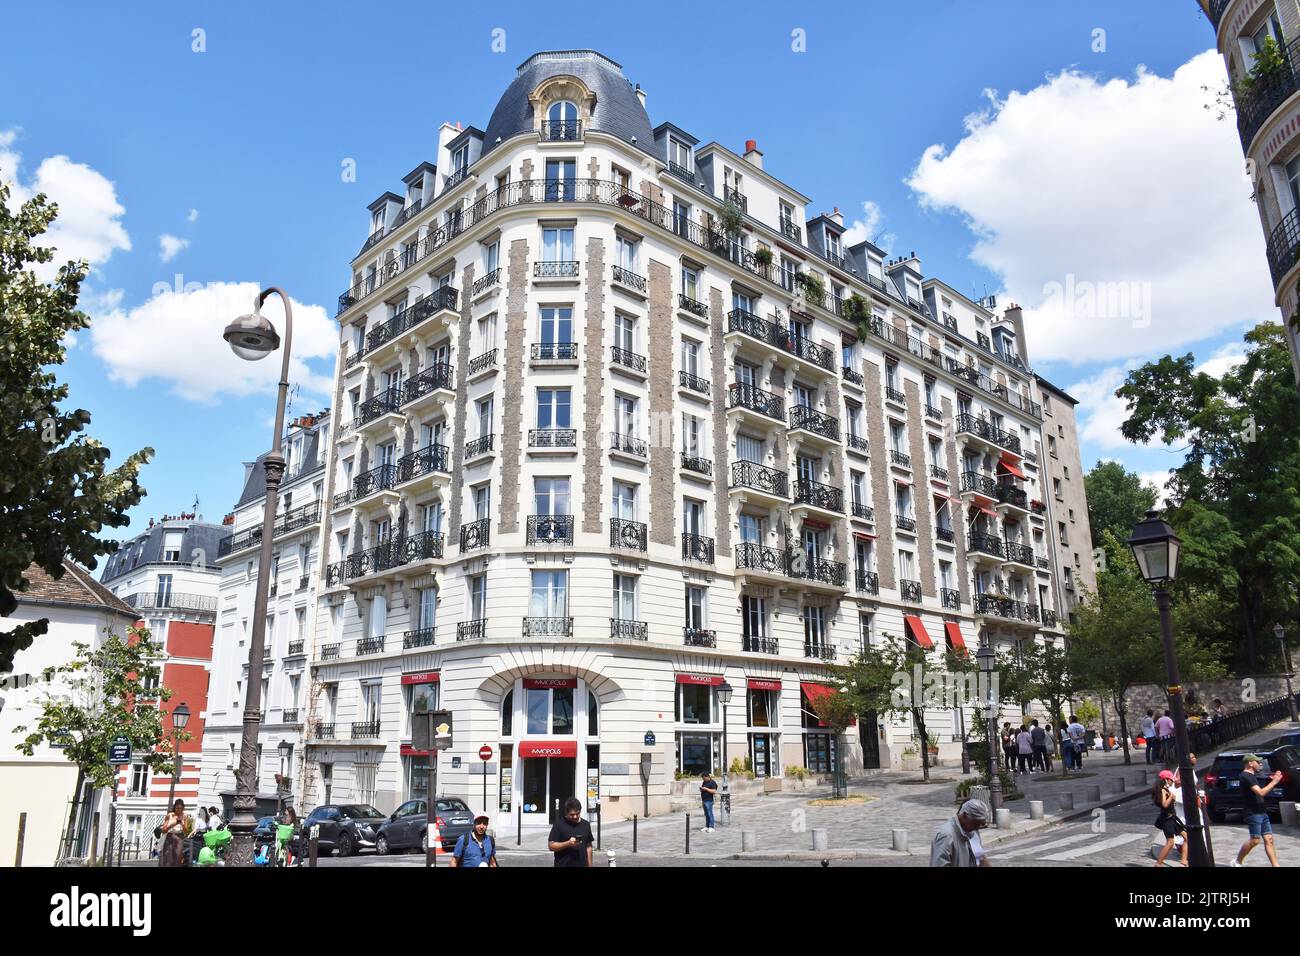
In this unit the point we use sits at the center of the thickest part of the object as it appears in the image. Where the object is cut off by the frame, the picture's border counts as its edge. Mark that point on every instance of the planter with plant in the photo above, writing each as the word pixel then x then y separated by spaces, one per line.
pixel 814 289
pixel 764 257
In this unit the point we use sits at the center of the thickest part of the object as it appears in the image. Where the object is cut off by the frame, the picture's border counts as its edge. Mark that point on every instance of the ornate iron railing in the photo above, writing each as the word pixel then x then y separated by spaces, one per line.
pixel 389 400
pixel 630 630
pixel 851 376
pixel 810 351
pixel 979 484
pixel 701 466
pixel 866 581
pixel 549 529
pixel 476 534
pixel 694 382
pixel 561 130
pixel 894 395
pixel 555 351
pixel 376 479
pixel 369 645
pixel 699 637
pixel 909 590
pixel 811 420
pixel 485 283
pixel 431 379
pixel 809 492
pixel 474 630
pixel 900 458
pixel 175 600
pixel 945 534
pixel 555 269
pixel 420 637
pixel 325 731
pixel 1266 93
pixel 1020 553
pixel 969 424
pixel 760 645
pixel 738 320
pixel 431 458
pixel 631 535
pixel 696 547
pixel 693 306
pixel 330 651
pixel 819 650
pixel 628 444
pixel 365 729
pixel 629 359
pixel 984 544
pixel 479 446
pixel 800 565
pixel 422 546
pixel 950 598
pixel 1011 495
pixel 755 399
pixel 759 557
pixel 629 278
pixel 905 522
pixel 548 627
pixel 553 438
pixel 750 474
pixel 335 573
pixel 865 512
pixel 857 443
pixel 1049 617
pixel 296 648
pixel 938 471
pixel 932 412
pixel 481 363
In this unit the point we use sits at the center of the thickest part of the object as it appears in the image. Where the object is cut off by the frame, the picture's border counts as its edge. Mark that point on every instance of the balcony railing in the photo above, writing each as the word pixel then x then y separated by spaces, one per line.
pixel 790 230
pixel 694 382
pixel 755 399
pixel 1266 94
pixel 1044 562
pixel 1011 495
pixel 699 637
pixel 750 474
pixel 696 547
pixel 857 443
pixel 900 458
pixel 376 479
pixel 747 323
pixel 485 283
pixel 938 471
pixel 628 630
pixel 481 363
pixel 971 375
pixel 905 522
pixel 420 547
pixel 476 534
pixel 561 130
pixel 474 630
pixel 701 466
pixel 548 627
pixel 553 438
pixel 979 484
pixel 909 590
pixel 865 512
pixel 1004 607
pixel 758 557
pixel 434 377
pixel 819 650
pixel 330 651
pixel 173 600
pixel 296 648
pixel 628 444
pixel 444 297
pixel 945 534
pixel 420 637
pixel 555 351
pixel 556 269
pixel 811 420
pixel 932 412
pixel 693 306
pixel 372 560
pixel 431 458
pixel 1020 553
pixel 681 172
pixel 365 729
pixel 389 400
pixel 289 715
pixel 629 278
pixel 800 565
pixel 950 598
pixel 549 529
pixel 1284 246
pixel 335 573
pixel 628 359
pixel 894 395
pixel 868 582
pixel 736 197
pixel 479 446
pixel 985 429
pixel 630 535
pixel 369 645
pixel 325 731
pixel 455 178
pixel 810 351
pixel 984 544
pixel 760 645
pixel 809 492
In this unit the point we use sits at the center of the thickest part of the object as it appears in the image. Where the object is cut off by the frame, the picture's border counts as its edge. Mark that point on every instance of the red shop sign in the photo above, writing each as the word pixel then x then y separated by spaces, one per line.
pixel 548 748
pixel 763 683
pixel 699 679
pixel 424 677
pixel 542 683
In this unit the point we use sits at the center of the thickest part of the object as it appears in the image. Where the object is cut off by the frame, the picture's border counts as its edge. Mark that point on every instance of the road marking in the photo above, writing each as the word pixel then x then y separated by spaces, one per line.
pixel 1041 847
pixel 1096 847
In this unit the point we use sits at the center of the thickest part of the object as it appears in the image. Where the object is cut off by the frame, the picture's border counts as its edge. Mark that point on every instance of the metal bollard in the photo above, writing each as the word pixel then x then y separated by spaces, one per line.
pixel 688 834
pixel 820 838
pixel 598 826
pixel 634 833
pixel 519 825
pixel 899 838
pixel 1003 818
pixel 22 838
pixel 313 845
pixel 613 859
pixel 1035 809
pixel 1067 801
pixel 747 841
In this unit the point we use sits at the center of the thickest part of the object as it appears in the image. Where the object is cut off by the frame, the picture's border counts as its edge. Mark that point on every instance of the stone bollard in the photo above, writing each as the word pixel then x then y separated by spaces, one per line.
pixel 1092 794
pixel 1290 815
pixel 820 838
pixel 1067 801
pixel 1035 809
pixel 1003 818
pixel 899 840
pixel 980 792
pixel 748 841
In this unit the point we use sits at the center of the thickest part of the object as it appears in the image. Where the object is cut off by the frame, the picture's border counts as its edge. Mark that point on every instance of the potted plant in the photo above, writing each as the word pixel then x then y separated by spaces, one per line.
pixel 813 287
pixel 763 257
pixel 731 219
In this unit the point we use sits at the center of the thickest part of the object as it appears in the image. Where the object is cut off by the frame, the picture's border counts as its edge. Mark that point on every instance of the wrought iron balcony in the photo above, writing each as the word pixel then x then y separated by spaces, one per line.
pixel 1011 495
pixel 800 565
pixel 556 269
pixel 289 715
pixel 696 547
pixel 456 177
pixel 810 351
pixel 701 466
pixel 1019 553
pixel 479 446
pixel 335 573
pixel 325 731
pixel 868 582
pixel 561 130
pixel 681 172
pixel 750 474
pixel 736 197
pixel 811 420
pixel 693 306
pixel 1216 11
pixel 819 650
pixel 342 498
pixel 548 627
pixel 389 400
pixel 900 458
pixel 553 438
pixel 431 458
pixel 747 323
pixel 296 648
pixel 1049 617
pixel 851 376
pixel 950 321
pixel 330 651
pixel 905 522
pixel 421 546
pixel 434 377
pixel 629 278
pixel 371 561
pixel 376 479
pixel 819 495
pixel 549 529
pixel 971 425
pixel 628 630
pixel 984 544
pixel 628 359
pixel 935 413
pixel 628 444
pixel 476 534
pixel 945 534
pixel 1044 562
pixel 857 443
pixel 979 484
pixel 173 600
pixel 369 645
pixel 937 471
pixel 694 382
pixel 894 395
pixel 420 637
pixel 699 637
pixel 909 590
pixel 1266 94
pixel 865 512
pixel 758 557
pixel 631 535
pixel 950 598
pixel 487 282
pixel 444 297
pixel 365 729
pixel 1005 607
pixel 755 399
pixel 760 645
pixel 790 230
pixel 1038 508
pixel 555 351
pixel 481 363
pixel 474 630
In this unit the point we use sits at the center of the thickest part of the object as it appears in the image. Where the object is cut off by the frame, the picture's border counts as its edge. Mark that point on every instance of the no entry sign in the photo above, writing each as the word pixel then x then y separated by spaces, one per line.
pixel 485 752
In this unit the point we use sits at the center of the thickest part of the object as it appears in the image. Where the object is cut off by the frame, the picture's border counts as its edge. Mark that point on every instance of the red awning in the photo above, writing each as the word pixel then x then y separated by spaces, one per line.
pixel 424 677
pixel 953 630
pixel 699 679
pixel 985 508
pixel 1011 465
pixel 917 630
pixel 545 683
pixel 548 748
pixel 813 693
pixel 863 536
pixel 763 683
pixel 409 751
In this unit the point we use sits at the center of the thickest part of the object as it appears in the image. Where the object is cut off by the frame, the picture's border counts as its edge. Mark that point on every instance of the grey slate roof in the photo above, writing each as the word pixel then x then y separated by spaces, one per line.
pixel 147 548
pixel 255 483
pixel 618 111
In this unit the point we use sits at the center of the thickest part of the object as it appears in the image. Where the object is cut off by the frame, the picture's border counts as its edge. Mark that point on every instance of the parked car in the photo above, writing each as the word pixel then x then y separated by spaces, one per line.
pixel 1223 780
pixel 345 827
pixel 407 828
pixel 1286 740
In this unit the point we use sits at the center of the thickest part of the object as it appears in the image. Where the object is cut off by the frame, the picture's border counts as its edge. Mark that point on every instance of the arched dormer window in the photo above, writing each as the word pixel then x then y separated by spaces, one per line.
pixel 561 121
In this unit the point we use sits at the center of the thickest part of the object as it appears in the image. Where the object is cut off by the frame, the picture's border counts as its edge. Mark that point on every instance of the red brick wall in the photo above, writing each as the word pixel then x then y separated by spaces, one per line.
pixel 185 639
pixel 189 686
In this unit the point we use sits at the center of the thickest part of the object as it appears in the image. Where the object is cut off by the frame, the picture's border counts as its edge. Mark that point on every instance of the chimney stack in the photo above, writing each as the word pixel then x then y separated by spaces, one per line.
pixel 752 155
pixel 640 95
pixel 836 217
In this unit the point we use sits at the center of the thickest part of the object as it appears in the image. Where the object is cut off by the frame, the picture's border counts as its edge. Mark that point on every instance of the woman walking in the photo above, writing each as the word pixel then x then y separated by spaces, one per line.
pixel 174 827
pixel 1165 796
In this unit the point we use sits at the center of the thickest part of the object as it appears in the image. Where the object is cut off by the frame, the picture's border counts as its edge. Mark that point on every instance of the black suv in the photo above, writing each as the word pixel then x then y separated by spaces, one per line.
pixel 345 827
pixel 1223 781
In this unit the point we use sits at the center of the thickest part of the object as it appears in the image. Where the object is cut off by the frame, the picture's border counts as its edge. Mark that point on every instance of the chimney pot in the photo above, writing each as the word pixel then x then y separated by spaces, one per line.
pixel 751 145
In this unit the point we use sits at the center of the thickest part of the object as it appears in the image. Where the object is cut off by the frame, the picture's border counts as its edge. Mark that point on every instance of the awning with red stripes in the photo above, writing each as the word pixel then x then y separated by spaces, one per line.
pixel 916 628
pixel 1009 463
pixel 980 506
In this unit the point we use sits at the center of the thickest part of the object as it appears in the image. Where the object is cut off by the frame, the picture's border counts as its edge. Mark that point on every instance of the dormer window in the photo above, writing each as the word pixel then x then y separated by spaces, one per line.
pixel 561 121
pixel 377 220
pixel 832 244
pixel 460 158
pixel 414 192
pixel 679 156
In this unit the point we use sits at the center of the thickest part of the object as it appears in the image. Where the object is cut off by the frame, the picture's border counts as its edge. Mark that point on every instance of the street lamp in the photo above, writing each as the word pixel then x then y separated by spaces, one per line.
pixel 724 697
pixel 1280 633
pixel 180 717
pixel 988 661
pixel 252 337
pixel 1155 548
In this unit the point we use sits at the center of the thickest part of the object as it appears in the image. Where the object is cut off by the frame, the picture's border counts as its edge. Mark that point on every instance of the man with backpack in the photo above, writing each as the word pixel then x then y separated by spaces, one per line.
pixel 475 848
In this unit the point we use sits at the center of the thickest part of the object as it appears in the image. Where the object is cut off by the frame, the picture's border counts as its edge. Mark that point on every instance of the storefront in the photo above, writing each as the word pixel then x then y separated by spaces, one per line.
pixel 820 746
pixel 549 747
pixel 419 694
pixel 763 720
pixel 697 717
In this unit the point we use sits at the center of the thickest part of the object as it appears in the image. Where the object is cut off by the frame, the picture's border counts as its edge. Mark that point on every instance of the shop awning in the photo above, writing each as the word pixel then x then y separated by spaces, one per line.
pixel 953 630
pixel 546 683
pixel 1011 465
pixel 980 506
pixel 813 693
pixel 539 749
pixel 916 629
pixel 424 677
pixel 409 751
pixel 763 683
pixel 709 679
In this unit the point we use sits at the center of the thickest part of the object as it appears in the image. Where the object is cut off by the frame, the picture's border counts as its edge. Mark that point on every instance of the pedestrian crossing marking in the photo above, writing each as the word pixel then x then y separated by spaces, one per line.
pixel 1096 847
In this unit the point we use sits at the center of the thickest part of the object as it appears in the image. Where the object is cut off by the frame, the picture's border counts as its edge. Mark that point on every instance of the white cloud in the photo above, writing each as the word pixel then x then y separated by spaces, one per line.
pixel 868 227
pixel 88 225
pixel 1158 480
pixel 193 216
pixel 175 338
pixel 1083 184
pixel 1218 364
pixel 169 246
pixel 1101 412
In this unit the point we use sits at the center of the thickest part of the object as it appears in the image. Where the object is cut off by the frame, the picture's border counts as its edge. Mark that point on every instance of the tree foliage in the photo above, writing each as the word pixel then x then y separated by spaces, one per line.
pixel 56 492
pixel 1117 500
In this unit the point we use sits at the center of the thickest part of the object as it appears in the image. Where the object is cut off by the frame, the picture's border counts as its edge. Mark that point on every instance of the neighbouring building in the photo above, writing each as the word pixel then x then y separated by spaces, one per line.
pixel 1267 95
pixel 610 438
pixel 79 610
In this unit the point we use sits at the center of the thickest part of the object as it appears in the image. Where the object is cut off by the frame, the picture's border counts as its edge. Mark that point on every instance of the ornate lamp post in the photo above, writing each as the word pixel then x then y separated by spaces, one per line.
pixel 988 662
pixel 1280 633
pixel 180 717
pixel 724 697
pixel 252 337
pixel 1155 548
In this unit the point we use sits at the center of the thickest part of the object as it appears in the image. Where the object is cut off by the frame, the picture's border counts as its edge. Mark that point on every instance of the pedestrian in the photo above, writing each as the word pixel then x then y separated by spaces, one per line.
pixel 476 848
pixel 1219 710
pixel 708 790
pixel 1038 740
pixel 1024 749
pixel 214 819
pixel 1079 737
pixel 1167 821
pixel 1067 747
pixel 956 843
pixel 1256 814
pixel 195 846
pixel 174 828
pixel 1165 737
pixel 1149 734
pixel 1009 746
pixel 1049 748
pixel 570 838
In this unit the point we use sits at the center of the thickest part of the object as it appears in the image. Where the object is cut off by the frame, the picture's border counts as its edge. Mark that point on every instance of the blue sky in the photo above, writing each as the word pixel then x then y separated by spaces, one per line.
pixel 1010 145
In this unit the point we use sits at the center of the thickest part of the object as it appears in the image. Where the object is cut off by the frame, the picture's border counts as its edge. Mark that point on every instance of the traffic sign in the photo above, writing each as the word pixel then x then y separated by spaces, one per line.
pixel 485 753
pixel 649 738
pixel 119 751
pixel 440 724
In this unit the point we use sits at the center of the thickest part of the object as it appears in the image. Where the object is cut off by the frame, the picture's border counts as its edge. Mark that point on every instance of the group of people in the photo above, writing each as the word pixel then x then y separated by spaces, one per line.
pixel 1030 748
pixel 181 835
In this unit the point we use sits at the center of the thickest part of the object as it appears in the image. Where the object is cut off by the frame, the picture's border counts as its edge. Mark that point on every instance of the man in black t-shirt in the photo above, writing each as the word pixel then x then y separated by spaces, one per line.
pixel 1253 792
pixel 570 838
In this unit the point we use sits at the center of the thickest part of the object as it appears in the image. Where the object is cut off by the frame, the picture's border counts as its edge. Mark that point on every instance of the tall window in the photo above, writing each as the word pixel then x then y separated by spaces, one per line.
pixel 753 618
pixel 551 496
pixel 814 626
pixel 751 529
pixel 557 245
pixel 749 448
pixel 902 500
pixel 626 252
pixel 625 415
pixel 553 409
pixel 487 333
pixel 560 179
pixel 858 487
pixel 624 501
pixel 896 440
pixel 692 433
pixel 555 326
pixel 696 608
pixel 477 597
pixel 625 332
pixel 691 281
pixel 164 590
pixel 691 357
pixel 624 597
pixel 550 594
pixel 483 414
pixel 692 516
pixel 679 154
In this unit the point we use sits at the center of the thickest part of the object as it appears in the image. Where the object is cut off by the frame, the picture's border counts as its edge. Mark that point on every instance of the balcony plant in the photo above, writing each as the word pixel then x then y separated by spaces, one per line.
pixel 814 289
pixel 1268 63
pixel 763 257
pixel 731 219
pixel 857 311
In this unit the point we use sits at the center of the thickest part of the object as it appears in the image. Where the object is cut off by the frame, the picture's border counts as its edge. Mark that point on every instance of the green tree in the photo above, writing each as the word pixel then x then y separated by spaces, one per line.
pixel 56 493
pixel 105 692
pixel 1238 488
pixel 1117 500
